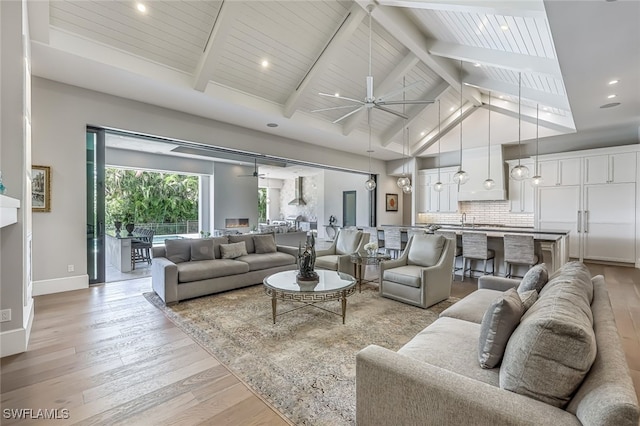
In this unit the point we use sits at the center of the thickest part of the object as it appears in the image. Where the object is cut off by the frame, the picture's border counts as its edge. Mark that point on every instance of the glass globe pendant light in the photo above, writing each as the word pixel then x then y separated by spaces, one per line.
pixel 489 183
pixel 537 179
pixel 438 187
pixel 519 172
pixel 460 177
pixel 370 184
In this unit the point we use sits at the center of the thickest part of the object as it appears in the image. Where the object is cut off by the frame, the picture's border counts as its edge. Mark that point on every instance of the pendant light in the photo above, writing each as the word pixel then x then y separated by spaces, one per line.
pixel 407 188
pixel 489 183
pixel 537 179
pixel 404 181
pixel 370 184
pixel 461 177
pixel 519 172
pixel 438 187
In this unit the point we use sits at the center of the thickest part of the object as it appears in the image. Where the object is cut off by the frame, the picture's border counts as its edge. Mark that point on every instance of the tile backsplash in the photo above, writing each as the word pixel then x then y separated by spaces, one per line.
pixel 482 212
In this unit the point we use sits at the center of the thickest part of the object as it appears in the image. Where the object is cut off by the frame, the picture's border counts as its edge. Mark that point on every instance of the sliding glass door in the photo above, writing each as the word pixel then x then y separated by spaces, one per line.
pixel 95 205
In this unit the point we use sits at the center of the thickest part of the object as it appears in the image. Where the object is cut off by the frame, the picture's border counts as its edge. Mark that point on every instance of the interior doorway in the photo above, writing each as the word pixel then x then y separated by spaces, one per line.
pixel 348 208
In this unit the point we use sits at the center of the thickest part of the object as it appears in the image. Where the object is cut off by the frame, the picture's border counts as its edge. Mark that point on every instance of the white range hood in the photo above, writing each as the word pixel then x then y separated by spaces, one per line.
pixel 474 162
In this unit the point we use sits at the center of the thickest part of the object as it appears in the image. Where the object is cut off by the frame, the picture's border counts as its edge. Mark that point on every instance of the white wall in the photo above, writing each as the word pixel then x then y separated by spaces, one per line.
pixel 234 197
pixel 60 116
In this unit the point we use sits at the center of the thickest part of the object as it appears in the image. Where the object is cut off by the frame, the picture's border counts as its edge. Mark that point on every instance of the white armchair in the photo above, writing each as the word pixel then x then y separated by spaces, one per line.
pixel 336 257
pixel 421 276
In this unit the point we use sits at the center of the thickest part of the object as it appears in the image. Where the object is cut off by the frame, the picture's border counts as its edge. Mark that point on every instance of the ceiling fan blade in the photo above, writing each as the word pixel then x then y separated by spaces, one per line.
pixel 332 108
pixel 390 111
pixel 416 102
pixel 348 114
pixel 340 97
pixel 399 91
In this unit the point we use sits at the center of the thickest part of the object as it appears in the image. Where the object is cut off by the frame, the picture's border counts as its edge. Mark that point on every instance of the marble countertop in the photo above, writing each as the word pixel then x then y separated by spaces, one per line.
pixel 496 231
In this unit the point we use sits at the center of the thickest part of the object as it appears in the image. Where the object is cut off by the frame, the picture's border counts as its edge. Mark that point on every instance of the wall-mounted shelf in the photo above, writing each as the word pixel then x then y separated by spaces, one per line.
pixel 8 210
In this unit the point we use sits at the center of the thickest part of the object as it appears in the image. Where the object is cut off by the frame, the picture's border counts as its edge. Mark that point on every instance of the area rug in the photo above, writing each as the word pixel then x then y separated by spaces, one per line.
pixel 304 365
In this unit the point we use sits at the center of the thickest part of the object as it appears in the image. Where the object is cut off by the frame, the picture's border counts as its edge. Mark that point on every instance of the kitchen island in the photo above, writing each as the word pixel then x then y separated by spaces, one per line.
pixel 552 245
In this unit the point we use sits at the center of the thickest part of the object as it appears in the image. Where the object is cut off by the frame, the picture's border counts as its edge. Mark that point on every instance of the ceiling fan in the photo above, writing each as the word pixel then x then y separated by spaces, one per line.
pixel 370 101
pixel 255 173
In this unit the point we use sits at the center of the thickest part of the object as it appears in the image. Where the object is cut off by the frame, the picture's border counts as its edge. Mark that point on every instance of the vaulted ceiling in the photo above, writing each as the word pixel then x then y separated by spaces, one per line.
pixel 251 63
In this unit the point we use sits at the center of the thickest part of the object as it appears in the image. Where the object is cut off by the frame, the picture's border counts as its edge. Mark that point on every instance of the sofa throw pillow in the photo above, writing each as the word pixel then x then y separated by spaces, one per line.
pixel 202 249
pixel 178 250
pixel 499 321
pixel 264 243
pixel 534 279
pixel 248 241
pixel 233 250
pixel 528 299
pixel 552 350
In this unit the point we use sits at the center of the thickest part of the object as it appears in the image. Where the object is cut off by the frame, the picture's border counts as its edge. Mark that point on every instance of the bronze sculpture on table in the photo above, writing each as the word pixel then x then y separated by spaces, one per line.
pixel 306 261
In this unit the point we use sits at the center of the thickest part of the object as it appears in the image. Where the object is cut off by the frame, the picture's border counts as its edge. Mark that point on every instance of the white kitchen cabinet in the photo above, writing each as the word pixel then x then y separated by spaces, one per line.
pixel 559 208
pixel 445 201
pixel 611 168
pixel 521 193
pixel 423 192
pixel 608 222
pixel 560 172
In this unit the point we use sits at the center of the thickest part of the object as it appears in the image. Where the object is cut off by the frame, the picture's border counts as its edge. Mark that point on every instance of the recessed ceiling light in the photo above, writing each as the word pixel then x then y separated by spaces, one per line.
pixel 611 96
pixel 476 65
pixel 452 109
pixel 423 133
pixel 504 28
pixel 611 105
pixel 265 63
pixel 613 82
pixel 501 97
pixel 141 7
pixel 272 124
pixel 336 94
pixel 545 109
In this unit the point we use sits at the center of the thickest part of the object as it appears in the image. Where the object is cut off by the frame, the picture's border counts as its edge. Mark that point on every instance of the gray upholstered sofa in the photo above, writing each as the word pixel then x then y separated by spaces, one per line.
pixel 436 378
pixel 187 268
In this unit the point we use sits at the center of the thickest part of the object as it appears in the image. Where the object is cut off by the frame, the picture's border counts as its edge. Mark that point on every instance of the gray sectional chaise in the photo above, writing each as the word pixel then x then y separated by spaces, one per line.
pixel 187 268
pixel 562 364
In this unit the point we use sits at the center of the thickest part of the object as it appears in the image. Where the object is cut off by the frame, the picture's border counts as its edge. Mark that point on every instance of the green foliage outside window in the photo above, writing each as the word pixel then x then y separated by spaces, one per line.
pixel 133 196
pixel 262 205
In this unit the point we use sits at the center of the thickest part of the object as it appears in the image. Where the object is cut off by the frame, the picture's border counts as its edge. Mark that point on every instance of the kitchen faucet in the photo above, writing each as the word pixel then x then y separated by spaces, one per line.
pixel 464 219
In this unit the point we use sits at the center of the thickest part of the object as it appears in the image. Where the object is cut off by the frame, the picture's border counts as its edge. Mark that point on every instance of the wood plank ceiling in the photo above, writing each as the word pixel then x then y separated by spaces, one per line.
pixel 323 46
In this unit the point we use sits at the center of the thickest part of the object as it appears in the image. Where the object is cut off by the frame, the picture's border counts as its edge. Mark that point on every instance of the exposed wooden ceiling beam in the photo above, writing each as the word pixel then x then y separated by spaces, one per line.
pixel 327 56
pixel 495 58
pixel 561 123
pixel 435 94
pixel 521 8
pixel 225 20
pixel 445 127
pixel 537 96
pixel 39 20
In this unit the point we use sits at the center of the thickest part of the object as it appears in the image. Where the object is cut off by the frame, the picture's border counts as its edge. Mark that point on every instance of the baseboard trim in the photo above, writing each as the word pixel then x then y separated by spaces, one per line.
pixel 58 285
pixel 16 341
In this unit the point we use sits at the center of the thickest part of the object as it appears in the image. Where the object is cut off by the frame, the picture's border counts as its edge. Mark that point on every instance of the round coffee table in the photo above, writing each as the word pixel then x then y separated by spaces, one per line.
pixel 331 285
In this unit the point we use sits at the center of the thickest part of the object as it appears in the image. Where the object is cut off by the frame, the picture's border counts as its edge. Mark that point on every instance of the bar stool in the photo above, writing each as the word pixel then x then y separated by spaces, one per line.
pixel 474 247
pixel 141 247
pixel 380 237
pixel 518 250
pixel 451 235
pixel 392 241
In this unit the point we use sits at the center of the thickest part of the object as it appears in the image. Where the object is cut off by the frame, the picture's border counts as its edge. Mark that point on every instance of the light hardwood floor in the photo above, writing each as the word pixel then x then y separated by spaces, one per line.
pixel 109 357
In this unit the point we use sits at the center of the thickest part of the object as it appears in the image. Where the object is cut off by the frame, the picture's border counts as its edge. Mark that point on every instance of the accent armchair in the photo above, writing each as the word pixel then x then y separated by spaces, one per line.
pixel 336 257
pixel 421 276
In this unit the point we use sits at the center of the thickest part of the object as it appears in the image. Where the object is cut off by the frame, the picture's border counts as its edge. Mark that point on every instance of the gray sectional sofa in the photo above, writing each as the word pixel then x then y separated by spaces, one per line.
pixel 562 363
pixel 187 268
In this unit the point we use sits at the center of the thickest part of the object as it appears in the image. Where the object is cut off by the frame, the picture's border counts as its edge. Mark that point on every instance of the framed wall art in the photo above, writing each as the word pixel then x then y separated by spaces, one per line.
pixel 41 188
pixel 391 202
